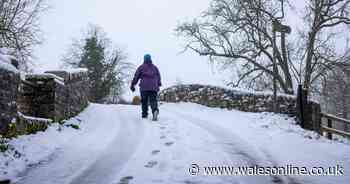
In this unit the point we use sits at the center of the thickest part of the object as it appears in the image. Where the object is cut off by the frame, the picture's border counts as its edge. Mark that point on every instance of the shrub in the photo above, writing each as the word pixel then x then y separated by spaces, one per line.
pixel 136 100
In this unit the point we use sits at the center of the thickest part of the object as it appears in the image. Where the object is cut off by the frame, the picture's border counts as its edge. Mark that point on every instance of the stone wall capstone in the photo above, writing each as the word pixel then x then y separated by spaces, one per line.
pixel 9 82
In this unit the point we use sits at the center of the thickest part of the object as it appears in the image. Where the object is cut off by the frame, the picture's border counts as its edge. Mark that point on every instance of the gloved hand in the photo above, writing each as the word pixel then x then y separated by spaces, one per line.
pixel 132 88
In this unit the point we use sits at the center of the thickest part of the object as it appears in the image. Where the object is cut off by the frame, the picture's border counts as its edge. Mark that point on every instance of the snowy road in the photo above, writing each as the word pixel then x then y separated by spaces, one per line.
pixel 114 146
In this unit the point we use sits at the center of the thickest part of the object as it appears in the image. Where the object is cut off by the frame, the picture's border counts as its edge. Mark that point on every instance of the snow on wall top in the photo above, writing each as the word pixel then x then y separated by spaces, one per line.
pixel 212 96
pixel 5 61
pixel 34 118
pixel 235 90
pixel 69 71
pixel 70 74
pixel 76 70
pixel 43 76
pixel 60 76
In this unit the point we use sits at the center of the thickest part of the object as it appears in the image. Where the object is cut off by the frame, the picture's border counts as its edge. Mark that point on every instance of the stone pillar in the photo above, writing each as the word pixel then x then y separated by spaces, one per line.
pixel 9 81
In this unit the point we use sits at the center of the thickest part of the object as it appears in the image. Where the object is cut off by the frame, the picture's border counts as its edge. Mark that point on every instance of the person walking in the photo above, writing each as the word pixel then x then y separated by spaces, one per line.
pixel 150 82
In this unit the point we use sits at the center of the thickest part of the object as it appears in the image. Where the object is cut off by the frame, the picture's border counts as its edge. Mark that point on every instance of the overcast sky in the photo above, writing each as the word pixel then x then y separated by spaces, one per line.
pixel 138 26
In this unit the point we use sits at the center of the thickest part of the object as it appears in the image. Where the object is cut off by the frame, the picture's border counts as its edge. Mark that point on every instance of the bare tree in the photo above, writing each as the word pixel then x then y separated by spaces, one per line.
pixel 19 26
pixel 240 31
pixel 325 18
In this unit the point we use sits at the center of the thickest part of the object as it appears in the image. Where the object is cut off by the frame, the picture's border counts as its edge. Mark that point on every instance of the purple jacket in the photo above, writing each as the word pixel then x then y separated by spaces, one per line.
pixel 149 75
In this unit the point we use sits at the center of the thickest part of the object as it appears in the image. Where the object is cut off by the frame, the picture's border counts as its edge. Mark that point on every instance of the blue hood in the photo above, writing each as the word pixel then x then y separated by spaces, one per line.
pixel 147 58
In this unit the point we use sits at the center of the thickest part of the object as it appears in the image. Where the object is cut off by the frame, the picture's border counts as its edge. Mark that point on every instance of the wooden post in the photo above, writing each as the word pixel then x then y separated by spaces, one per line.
pixel 275 69
pixel 316 118
pixel 302 106
pixel 329 124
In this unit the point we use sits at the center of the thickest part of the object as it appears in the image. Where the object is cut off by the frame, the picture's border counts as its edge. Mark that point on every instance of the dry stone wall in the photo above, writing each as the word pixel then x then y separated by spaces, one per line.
pixel 37 95
pixel 212 96
pixel 72 98
pixel 33 103
pixel 56 95
pixel 230 99
pixel 9 82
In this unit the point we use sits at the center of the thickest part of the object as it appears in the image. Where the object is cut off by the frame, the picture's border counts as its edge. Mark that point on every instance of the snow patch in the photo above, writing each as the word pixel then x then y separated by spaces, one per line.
pixel 76 70
pixel 5 61
pixel 34 118
pixel 43 76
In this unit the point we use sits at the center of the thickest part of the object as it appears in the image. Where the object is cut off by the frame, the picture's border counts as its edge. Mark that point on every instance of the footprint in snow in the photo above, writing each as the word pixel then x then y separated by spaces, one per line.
pixel 169 143
pixel 276 179
pixel 191 182
pixel 151 164
pixel 265 126
pixel 177 137
pixel 5 182
pixel 155 152
pixel 158 181
pixel 126 180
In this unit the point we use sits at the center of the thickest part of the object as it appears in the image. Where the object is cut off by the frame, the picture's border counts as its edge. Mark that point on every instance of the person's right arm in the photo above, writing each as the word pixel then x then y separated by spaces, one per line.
pixel 159 77
pixel 136 77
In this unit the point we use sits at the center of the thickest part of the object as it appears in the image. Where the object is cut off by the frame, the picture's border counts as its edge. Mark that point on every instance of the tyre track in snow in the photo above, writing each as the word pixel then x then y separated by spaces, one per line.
pixel 92 162
pixel 238 147
pixel 117 154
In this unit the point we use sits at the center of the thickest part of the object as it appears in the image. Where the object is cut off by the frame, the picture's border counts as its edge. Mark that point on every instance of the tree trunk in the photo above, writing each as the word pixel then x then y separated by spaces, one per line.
pixel 309 58
pixel 285 66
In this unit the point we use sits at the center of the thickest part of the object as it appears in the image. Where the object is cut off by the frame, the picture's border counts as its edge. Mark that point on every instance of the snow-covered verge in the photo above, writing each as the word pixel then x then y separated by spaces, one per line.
pixel 30 150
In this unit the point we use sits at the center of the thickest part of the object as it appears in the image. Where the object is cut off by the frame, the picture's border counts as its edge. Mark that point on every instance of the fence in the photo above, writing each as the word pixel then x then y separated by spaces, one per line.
pixel 319 122
pixel 328 126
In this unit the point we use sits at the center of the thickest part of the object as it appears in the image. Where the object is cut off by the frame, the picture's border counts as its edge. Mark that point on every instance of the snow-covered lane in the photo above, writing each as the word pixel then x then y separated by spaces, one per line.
pixel 115 146
pixel 169 148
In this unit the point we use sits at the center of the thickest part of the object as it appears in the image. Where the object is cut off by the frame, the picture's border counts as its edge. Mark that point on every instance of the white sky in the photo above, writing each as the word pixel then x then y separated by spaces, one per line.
pixel 139 26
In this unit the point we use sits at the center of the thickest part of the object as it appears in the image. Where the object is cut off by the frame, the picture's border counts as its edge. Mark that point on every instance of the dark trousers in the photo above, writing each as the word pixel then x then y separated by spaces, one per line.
pixel 151 98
